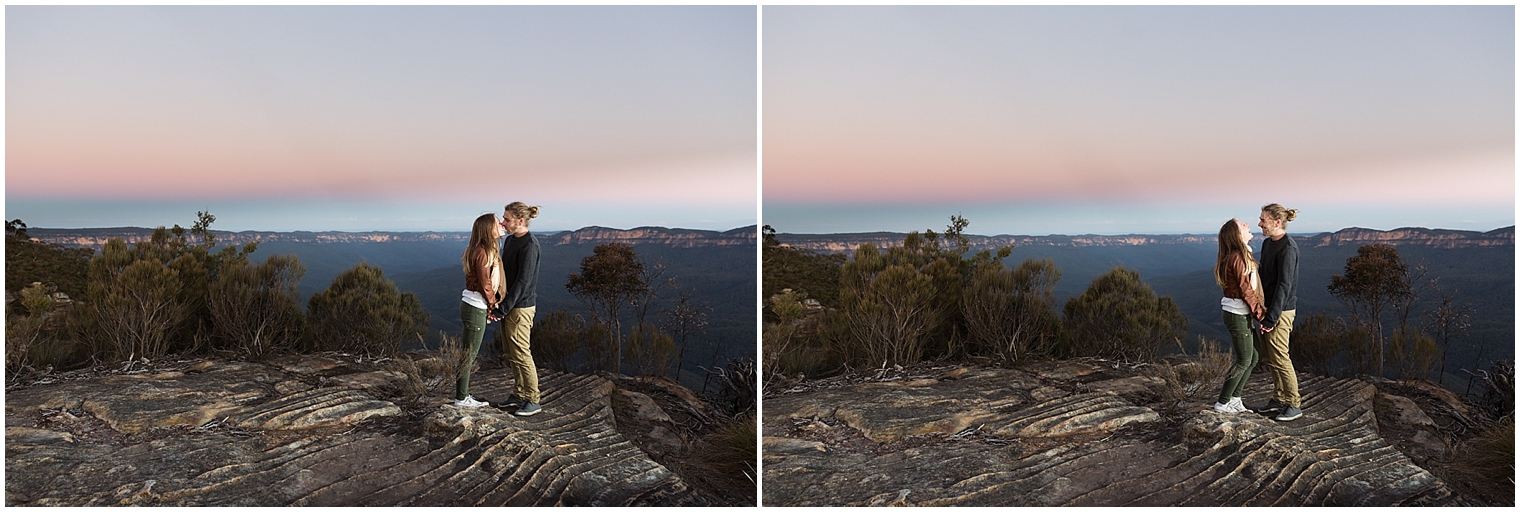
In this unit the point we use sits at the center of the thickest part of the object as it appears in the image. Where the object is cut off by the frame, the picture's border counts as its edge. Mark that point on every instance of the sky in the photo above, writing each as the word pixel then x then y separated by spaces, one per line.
pixel 279 118
pixel 1114 120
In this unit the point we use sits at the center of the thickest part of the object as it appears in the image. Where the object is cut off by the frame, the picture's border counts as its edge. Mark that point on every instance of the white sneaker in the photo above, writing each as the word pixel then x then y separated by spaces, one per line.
pixel 469 401
pixel 1224 408
pixel 1239 406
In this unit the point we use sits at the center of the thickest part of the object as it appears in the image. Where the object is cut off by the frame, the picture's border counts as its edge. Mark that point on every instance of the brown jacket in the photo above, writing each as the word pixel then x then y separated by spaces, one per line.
pixel 1243 285
pixel 476 280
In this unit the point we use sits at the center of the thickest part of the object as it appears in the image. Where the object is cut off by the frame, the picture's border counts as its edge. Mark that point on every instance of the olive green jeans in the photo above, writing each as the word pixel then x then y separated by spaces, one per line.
pixel 474 330
pixel 1245 355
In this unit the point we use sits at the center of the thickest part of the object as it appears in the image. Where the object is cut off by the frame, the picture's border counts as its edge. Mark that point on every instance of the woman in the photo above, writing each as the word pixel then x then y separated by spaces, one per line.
pixel 483 284
pixel 1235 272
pixel 519 261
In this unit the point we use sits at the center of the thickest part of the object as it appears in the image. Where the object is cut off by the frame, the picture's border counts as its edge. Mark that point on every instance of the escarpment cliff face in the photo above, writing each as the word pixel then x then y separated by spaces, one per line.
pixel 675 237
pixel 1080 433
pixel 1435 238
pixel 315 431
pixel 653 235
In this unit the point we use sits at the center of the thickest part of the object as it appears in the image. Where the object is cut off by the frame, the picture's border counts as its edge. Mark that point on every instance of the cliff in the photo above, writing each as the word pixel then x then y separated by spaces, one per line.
pixel 1438 238
pixel 96 237
pixel 325 431
pixel 1095 433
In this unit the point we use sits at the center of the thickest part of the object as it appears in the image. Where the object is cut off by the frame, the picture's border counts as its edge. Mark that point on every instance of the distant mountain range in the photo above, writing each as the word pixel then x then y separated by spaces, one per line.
pixel 96 237
pixel 1440 238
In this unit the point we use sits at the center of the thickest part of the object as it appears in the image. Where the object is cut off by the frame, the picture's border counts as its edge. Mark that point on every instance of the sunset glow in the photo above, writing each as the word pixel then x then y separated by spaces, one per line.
pixel 1141 118
pixel 413 117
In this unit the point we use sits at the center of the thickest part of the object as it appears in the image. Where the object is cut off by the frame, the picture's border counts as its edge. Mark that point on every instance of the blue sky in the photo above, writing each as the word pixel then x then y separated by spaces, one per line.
pixel 1135 119
pixel 381 118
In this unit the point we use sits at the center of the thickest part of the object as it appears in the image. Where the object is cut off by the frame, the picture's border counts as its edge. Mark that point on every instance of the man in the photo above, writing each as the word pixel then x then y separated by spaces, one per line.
pixel 519 261
pixel 1279 282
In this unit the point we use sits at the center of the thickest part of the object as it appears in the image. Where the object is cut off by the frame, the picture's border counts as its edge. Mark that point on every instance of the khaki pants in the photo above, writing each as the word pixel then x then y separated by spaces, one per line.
pixel 1274 354
pixel 512 337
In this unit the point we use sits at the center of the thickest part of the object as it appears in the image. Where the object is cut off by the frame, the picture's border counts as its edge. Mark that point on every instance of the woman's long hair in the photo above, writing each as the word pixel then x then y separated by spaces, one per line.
pixel 484 233
pixel 1230 243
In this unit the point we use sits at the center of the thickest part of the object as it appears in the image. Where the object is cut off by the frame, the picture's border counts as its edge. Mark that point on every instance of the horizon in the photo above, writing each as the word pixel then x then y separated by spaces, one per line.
pixel 543 231
pixel 1255 232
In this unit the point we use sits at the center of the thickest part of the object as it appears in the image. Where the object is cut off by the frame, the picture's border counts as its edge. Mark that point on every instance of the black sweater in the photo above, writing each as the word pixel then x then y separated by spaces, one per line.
pixel 519 260
pixel 1279 277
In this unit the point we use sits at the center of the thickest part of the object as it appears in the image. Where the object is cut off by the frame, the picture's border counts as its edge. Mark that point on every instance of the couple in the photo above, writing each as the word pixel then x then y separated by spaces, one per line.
pixel 1266 293
pixel 501 285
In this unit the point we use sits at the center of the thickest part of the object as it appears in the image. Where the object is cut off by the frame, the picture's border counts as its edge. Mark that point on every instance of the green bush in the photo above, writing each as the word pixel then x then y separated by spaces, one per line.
pixel 1412 354
pixel 30 261
pixel 1120 317
pixel 255 308
pixel 25 333
pixel 649 351
pixel 890 314
pixel 363 312
pixel 1010 314
pixel 135 313
pixel 557 338
pixel 1330 346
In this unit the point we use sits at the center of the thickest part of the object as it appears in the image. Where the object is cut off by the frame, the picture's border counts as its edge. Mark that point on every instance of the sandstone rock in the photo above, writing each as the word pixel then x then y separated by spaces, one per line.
pixel 568 455
pixel 325 407
pixel 35 436
pixel 644 406
pixel 1045 393
pixel 888 411
pixel 368 380
pixel 305 364
pixel 290 387
pixel 1127 385
pixel 785 445
pixel 1406 411
pixel 1093 449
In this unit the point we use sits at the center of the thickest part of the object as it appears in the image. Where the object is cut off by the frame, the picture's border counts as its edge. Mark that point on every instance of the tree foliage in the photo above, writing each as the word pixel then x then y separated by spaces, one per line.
pixel 255 307
pixel 1120 317
pixel 1010 313
pixel 1374 281
pixel 782 267
pixel 610 279
pixel 363 312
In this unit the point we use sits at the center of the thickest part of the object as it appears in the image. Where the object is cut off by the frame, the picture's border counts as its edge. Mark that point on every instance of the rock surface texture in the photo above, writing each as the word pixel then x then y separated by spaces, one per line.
pixel 1079 433
pixel 314 431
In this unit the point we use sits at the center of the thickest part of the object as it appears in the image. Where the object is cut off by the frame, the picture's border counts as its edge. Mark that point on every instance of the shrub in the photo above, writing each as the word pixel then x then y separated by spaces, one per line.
pixel 1010 314
pixel 1120 317
pixel 730 450
pixel 254 306
pixel 1332 347
pixel 890 315
pixel 1412 354
pixel 558 338
pixel 134 312
pixel 650 351
pixel 1493 454
pixel 24 332
pixel 29 261
pixel 363 312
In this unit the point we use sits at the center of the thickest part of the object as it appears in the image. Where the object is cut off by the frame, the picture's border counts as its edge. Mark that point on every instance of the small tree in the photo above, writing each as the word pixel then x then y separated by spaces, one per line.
pixel 1448 321
pixel 685 319
pixel 1411 353
pixel 362 311
pixel 558 338
pixel 136 313
pixel 255 307
pixel 610 278
pixel 1010 314
pixel 650 351
pixel 1375 280
pixel 1120 317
